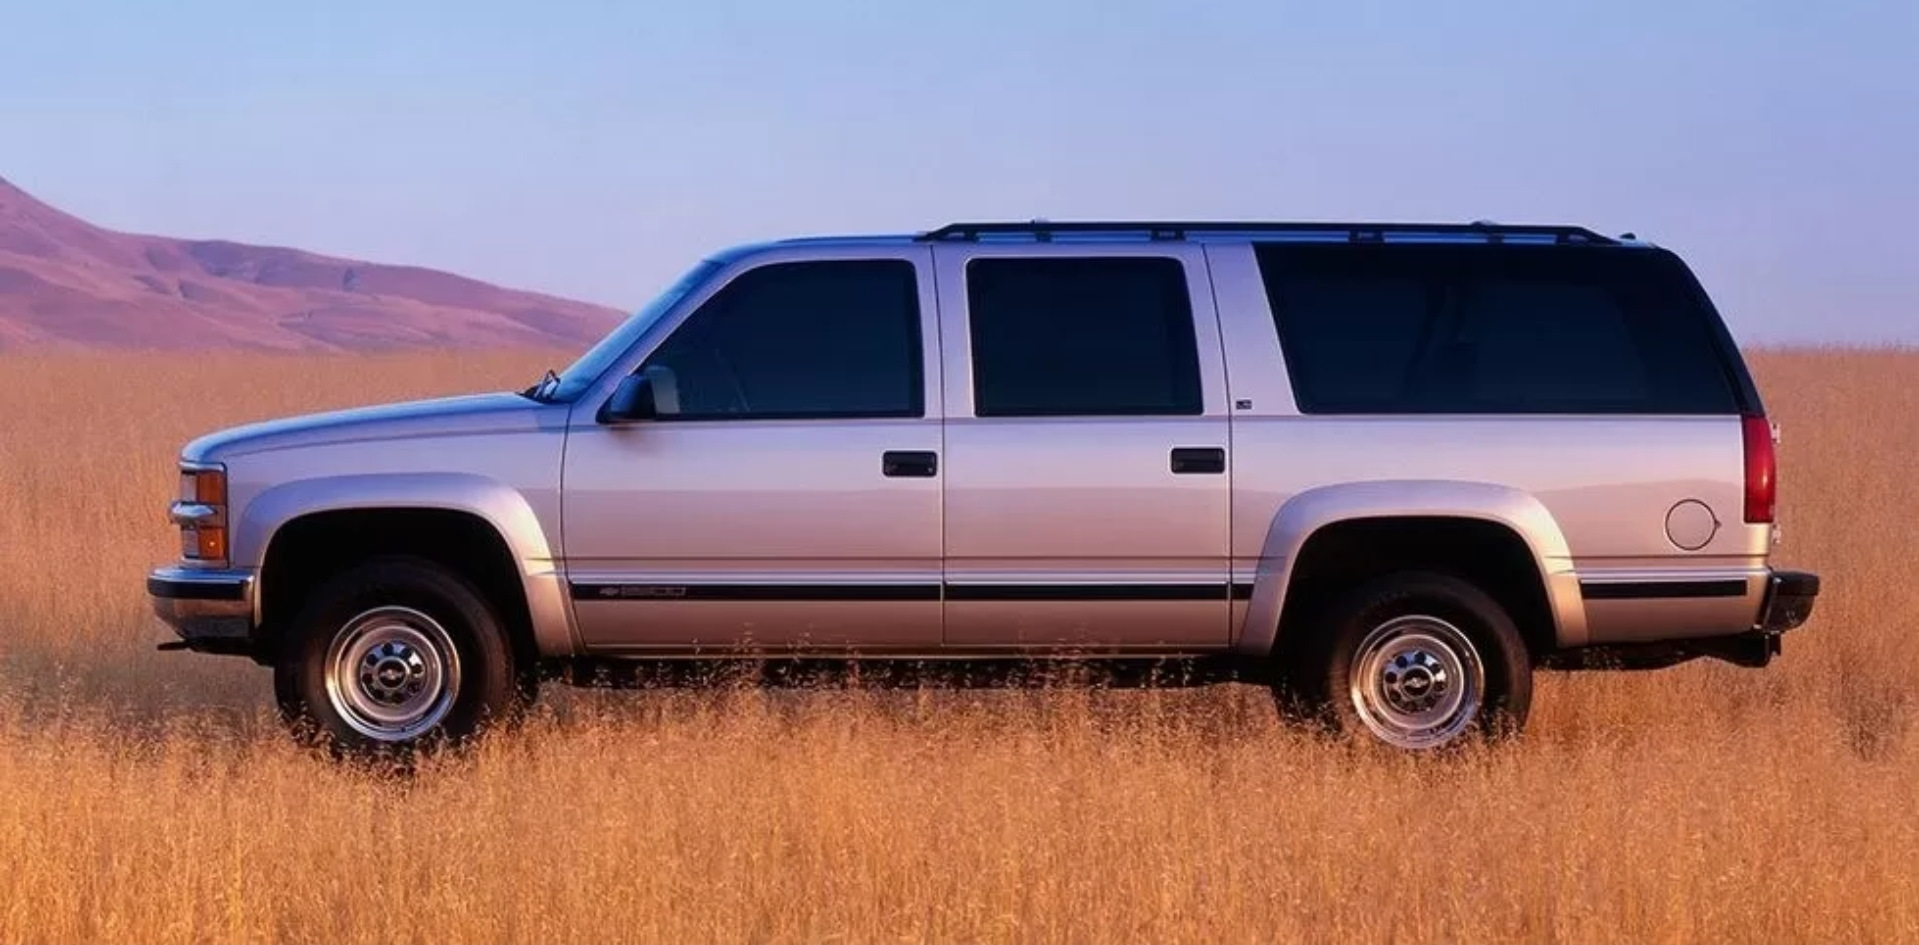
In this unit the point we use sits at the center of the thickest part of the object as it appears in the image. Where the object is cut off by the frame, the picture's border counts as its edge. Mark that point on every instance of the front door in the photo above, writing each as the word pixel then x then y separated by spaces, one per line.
pixel 1087 486
pixel 788 494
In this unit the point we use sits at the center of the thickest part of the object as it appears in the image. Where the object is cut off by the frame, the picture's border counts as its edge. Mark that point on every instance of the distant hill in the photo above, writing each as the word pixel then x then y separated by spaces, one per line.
pixel 67 283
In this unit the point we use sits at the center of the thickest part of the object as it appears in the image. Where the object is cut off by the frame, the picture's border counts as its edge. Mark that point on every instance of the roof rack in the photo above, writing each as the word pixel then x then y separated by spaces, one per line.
pixel 1044 230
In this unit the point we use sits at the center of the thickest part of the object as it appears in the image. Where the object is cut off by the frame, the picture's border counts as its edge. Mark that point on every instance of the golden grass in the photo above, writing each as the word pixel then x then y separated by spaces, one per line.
pixel 151 797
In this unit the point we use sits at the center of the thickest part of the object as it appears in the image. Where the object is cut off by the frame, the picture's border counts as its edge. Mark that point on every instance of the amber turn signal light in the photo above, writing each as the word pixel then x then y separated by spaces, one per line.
pixel 207 543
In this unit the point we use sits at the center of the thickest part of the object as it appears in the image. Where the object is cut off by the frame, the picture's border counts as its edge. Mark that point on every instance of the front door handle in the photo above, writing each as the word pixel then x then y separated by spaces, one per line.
pixel 1199 459
pixel 909 463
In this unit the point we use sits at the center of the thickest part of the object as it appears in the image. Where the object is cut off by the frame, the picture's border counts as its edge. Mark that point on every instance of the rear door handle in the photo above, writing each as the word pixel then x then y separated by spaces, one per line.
pixel 909 463
pixel 1199 459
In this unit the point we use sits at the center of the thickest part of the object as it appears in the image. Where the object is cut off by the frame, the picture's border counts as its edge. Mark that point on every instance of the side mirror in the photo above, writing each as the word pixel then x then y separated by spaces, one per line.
pixel 631 401
pixel 646 394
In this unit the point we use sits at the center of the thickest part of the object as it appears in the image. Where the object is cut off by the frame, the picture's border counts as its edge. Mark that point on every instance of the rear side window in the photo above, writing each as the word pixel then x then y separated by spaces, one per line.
pixel 1059 336
pixel 1402 328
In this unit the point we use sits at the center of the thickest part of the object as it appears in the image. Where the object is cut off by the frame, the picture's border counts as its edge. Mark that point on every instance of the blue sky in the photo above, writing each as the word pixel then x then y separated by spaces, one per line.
pixel 594 149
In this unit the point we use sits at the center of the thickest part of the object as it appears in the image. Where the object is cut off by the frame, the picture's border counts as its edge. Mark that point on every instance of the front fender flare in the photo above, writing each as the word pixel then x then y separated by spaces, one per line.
pixel 1309 511
pixel 489 500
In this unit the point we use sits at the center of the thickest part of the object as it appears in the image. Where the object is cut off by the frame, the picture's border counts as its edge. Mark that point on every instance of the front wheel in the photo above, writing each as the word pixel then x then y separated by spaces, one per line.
pixel 395 654
pixel 1415 661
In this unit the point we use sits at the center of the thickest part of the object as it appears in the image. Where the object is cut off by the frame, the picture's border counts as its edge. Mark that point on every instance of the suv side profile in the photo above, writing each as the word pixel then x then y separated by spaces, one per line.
pixel 1388 470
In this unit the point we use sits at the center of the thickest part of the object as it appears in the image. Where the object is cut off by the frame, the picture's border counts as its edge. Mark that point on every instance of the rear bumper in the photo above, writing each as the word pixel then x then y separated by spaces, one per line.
pixel 212 611
pixel 1788 602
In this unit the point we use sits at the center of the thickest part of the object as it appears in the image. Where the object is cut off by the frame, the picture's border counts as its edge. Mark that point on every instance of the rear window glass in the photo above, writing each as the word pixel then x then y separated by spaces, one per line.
pixel 1404 328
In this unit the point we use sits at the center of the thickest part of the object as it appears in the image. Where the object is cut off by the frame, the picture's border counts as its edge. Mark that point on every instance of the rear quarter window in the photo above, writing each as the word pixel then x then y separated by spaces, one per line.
pixel 1483 328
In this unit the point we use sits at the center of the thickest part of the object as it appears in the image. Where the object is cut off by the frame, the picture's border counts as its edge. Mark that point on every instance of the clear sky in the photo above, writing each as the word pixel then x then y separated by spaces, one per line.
pixel 594 149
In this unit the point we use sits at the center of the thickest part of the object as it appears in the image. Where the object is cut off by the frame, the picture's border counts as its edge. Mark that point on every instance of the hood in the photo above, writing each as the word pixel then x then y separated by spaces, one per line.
pixel 444 416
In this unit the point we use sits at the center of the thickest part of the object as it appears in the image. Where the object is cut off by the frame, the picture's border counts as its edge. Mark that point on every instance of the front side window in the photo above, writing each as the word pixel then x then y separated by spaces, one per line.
pixel 1060 336
pixel 589 366
pixel 798 340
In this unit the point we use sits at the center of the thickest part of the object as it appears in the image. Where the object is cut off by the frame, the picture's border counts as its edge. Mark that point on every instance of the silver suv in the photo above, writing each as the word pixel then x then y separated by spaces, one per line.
pixel 1386 469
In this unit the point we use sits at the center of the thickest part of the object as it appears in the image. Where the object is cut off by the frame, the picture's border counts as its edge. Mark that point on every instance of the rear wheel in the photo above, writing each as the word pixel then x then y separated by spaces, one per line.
pixel 1415 661
pixel 396 654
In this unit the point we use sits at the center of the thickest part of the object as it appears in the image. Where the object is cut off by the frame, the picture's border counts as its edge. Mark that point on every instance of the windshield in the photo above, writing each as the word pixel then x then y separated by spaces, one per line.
pixel 581 373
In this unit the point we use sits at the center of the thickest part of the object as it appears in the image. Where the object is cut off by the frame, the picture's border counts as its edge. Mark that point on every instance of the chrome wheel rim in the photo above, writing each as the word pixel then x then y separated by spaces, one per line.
pixel 392 673
pixel 1417 682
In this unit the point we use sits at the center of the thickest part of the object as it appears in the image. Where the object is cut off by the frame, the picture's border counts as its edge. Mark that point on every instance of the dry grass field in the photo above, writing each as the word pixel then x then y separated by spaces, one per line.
pixel 150 797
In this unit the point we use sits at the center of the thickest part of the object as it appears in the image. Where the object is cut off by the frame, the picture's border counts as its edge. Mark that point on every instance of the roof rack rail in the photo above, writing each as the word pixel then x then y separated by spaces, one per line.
pixel 1043 230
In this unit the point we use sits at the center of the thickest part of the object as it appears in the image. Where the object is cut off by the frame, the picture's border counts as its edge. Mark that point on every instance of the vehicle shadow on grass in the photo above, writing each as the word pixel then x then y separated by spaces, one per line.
pixel 111 681
pixel 118 686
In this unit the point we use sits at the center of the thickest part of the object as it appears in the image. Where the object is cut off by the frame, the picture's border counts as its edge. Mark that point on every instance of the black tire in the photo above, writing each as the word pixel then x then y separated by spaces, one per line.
pixel 446 672
pixel 1409 627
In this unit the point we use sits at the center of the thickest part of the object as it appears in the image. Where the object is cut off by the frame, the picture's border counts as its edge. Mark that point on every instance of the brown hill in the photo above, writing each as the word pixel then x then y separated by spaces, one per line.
pixel 67 283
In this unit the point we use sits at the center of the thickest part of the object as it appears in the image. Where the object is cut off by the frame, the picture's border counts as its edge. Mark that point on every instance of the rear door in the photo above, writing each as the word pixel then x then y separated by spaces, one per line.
pixel 1086 487
pixel 1595 378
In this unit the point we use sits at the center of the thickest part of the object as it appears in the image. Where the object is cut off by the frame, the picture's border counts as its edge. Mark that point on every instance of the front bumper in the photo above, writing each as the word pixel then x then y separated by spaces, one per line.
pixel 212 611
pixel 1789 599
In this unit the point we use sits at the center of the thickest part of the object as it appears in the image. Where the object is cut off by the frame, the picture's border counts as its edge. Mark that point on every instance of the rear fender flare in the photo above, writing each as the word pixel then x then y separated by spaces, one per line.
pixel 1309 511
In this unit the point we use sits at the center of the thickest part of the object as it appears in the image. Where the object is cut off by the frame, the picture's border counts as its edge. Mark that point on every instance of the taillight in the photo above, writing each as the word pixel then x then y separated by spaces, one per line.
pixel 1762 470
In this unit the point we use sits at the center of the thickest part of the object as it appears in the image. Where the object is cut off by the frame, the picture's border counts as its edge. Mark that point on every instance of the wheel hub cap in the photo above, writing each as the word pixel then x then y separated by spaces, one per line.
pixel 1417 682
pixel 392 673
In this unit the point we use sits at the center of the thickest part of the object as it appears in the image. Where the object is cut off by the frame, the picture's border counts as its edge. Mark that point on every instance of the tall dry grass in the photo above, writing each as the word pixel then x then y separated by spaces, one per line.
pixel 149 796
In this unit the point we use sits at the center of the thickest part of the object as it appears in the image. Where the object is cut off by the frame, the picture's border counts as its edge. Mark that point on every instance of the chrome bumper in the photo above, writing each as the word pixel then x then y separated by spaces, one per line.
pixel 212 611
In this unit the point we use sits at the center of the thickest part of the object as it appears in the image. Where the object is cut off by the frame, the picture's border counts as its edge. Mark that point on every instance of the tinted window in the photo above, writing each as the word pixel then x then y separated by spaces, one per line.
pixel 587 369
pixel 1060 336
pixel 814 339
pixel 1494 329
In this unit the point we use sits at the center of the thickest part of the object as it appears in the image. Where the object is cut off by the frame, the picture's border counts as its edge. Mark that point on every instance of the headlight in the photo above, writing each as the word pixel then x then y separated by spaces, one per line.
pixel 201 512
